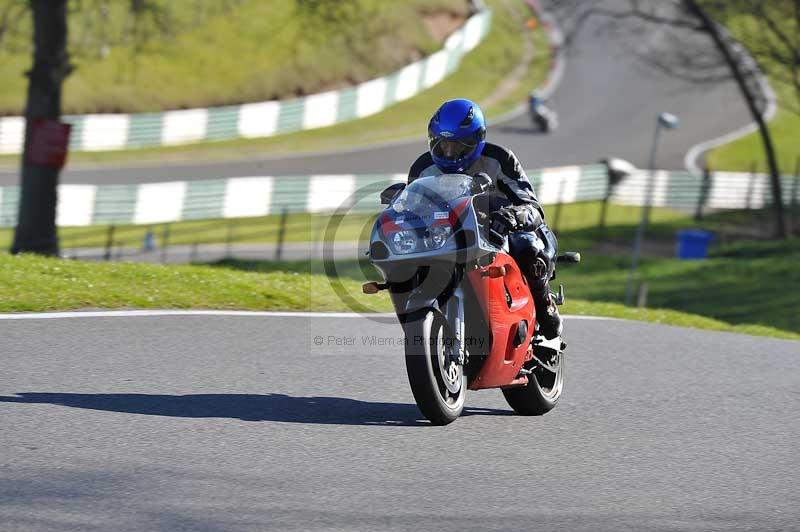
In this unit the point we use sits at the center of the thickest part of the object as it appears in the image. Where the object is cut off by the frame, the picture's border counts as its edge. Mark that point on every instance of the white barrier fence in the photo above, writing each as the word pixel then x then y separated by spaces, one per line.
pixel 248 196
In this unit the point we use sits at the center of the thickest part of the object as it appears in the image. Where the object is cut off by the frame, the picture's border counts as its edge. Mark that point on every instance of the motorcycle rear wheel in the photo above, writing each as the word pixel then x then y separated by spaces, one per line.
pixel 437 382
pixel 541 393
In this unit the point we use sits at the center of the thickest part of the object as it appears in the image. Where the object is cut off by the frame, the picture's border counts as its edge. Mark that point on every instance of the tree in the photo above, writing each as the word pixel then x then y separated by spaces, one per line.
pixel 36 227
pixel 769 32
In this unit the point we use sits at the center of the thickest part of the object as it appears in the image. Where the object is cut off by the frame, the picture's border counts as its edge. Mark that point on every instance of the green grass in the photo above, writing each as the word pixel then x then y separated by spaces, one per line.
pixel 733 289
pixel 32 283
pixel 478 76
pixel 741 155
pixel 741 288
pixel 746 286
pixel 197 54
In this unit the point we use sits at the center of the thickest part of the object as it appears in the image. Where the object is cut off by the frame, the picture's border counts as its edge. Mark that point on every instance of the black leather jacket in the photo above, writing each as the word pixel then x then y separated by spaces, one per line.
pixel 513 189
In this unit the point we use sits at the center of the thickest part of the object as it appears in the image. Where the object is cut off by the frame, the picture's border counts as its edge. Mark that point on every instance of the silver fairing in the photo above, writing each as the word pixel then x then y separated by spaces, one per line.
pixel 465 245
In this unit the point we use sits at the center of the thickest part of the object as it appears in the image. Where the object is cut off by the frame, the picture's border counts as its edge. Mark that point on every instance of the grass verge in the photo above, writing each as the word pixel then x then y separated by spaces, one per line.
pixel 31 283
pixel 742 291
pixel 748 152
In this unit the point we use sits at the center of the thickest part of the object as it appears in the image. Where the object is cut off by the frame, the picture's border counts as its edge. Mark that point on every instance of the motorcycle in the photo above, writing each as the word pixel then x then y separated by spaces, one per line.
pixel 544 118
pixel 465 307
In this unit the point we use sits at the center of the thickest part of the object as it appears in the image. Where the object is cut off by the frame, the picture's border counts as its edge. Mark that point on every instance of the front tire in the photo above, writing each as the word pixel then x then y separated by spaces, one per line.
pixel 541 393
pixel 436 380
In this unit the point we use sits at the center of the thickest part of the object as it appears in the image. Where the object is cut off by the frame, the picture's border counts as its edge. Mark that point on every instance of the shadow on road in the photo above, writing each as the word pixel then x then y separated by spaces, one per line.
pixel 269 407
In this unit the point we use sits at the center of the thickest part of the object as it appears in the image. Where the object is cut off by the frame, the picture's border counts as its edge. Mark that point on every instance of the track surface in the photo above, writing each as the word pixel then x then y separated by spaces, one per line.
pixel 607 104
pixel 243 423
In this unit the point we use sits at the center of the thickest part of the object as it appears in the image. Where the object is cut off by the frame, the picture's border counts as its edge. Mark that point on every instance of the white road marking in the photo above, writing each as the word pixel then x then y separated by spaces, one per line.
pixel 243 313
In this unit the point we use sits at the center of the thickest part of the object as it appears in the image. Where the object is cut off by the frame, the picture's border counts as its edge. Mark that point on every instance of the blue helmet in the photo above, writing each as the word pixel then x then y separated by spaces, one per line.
pixel 456 135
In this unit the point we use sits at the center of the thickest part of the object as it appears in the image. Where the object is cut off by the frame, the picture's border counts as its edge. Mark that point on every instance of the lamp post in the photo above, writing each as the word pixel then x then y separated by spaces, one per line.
pixel 667 121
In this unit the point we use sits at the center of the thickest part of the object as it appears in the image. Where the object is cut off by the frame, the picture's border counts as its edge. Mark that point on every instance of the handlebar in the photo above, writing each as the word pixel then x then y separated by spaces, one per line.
pixel 569 256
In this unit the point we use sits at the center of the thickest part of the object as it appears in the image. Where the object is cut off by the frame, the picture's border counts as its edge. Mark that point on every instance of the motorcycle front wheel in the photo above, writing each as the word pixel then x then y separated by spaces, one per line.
pixel 543 390
pixel 436 378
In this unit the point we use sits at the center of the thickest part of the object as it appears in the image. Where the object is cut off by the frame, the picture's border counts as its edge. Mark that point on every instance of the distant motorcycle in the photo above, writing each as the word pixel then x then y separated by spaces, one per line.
pixel 465 307
pixel 544 118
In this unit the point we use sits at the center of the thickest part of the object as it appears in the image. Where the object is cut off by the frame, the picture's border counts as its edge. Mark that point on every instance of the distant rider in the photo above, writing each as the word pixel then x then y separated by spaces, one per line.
pixel 457 144
pixel 534 101
pixel 540 114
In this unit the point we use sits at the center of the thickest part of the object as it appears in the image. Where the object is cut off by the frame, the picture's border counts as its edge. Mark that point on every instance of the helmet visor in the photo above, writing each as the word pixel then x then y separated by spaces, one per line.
pixel 451 150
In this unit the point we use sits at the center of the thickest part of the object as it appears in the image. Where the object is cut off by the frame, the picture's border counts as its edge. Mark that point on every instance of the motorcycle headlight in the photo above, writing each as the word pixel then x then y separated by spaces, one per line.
pixel 437 235
pixel 403 242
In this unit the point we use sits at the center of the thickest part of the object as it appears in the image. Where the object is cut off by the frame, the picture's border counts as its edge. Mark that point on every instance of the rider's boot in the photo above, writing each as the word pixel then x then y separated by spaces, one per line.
pixel 550 323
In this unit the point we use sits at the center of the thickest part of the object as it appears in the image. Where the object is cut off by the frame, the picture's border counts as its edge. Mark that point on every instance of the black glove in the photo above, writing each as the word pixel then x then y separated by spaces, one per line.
pixel 503 221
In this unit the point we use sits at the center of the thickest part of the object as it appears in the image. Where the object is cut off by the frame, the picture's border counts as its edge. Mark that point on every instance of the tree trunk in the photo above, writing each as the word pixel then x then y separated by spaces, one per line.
pixel 766 139
pixel 36 227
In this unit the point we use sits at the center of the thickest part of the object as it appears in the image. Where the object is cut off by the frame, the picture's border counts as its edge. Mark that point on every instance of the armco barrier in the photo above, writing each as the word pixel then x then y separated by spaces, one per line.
pixel 122 131
pixel 150 203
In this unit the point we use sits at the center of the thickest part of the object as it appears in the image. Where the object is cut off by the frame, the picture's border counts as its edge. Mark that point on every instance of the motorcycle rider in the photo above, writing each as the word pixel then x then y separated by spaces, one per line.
pixel 535 101
pixel 540 114
pixel 457 144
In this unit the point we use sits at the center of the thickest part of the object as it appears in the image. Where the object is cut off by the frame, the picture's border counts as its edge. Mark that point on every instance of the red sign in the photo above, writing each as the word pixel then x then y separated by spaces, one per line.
pixel 48 142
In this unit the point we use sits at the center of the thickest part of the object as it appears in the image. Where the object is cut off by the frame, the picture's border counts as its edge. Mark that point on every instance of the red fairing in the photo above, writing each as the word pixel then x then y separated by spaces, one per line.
pixel 504 360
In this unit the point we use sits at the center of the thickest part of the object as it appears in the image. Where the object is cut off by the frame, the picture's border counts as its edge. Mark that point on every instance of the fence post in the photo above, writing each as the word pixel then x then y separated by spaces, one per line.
pixel 795 187
pixel 165 243
pixel 705 188
pixel 109 243
pixel 193 254
pixel 281 234
pixel 604 207
pixel 751 185
pixel 149 242
pixel 641 300
pixel 229 239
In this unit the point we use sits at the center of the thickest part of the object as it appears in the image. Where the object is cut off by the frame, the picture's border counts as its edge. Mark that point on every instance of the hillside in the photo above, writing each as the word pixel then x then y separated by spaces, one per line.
pixel 194 53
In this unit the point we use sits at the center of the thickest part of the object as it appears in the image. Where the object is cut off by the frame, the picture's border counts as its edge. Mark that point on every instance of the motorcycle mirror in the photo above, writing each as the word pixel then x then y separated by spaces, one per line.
pixel 481 183
pixel 390 192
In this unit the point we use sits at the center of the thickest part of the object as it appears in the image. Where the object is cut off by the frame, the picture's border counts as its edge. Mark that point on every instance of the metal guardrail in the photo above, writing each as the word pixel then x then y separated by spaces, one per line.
pixel 283 199
pixel 239 197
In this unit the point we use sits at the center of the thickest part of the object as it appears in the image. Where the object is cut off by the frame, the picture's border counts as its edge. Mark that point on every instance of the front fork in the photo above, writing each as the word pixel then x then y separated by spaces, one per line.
pixel 454 314
pixel 448 300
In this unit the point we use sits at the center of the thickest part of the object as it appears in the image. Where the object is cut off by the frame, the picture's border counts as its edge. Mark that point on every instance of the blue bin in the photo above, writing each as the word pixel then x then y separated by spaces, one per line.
pixel 693 244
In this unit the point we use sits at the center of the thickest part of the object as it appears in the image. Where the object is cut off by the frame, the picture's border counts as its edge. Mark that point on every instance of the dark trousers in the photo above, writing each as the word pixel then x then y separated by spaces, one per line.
pixel 535 252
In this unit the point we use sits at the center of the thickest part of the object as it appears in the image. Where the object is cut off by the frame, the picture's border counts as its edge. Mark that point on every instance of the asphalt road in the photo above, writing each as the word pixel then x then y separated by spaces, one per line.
pixel 607 103
pixel 243 423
